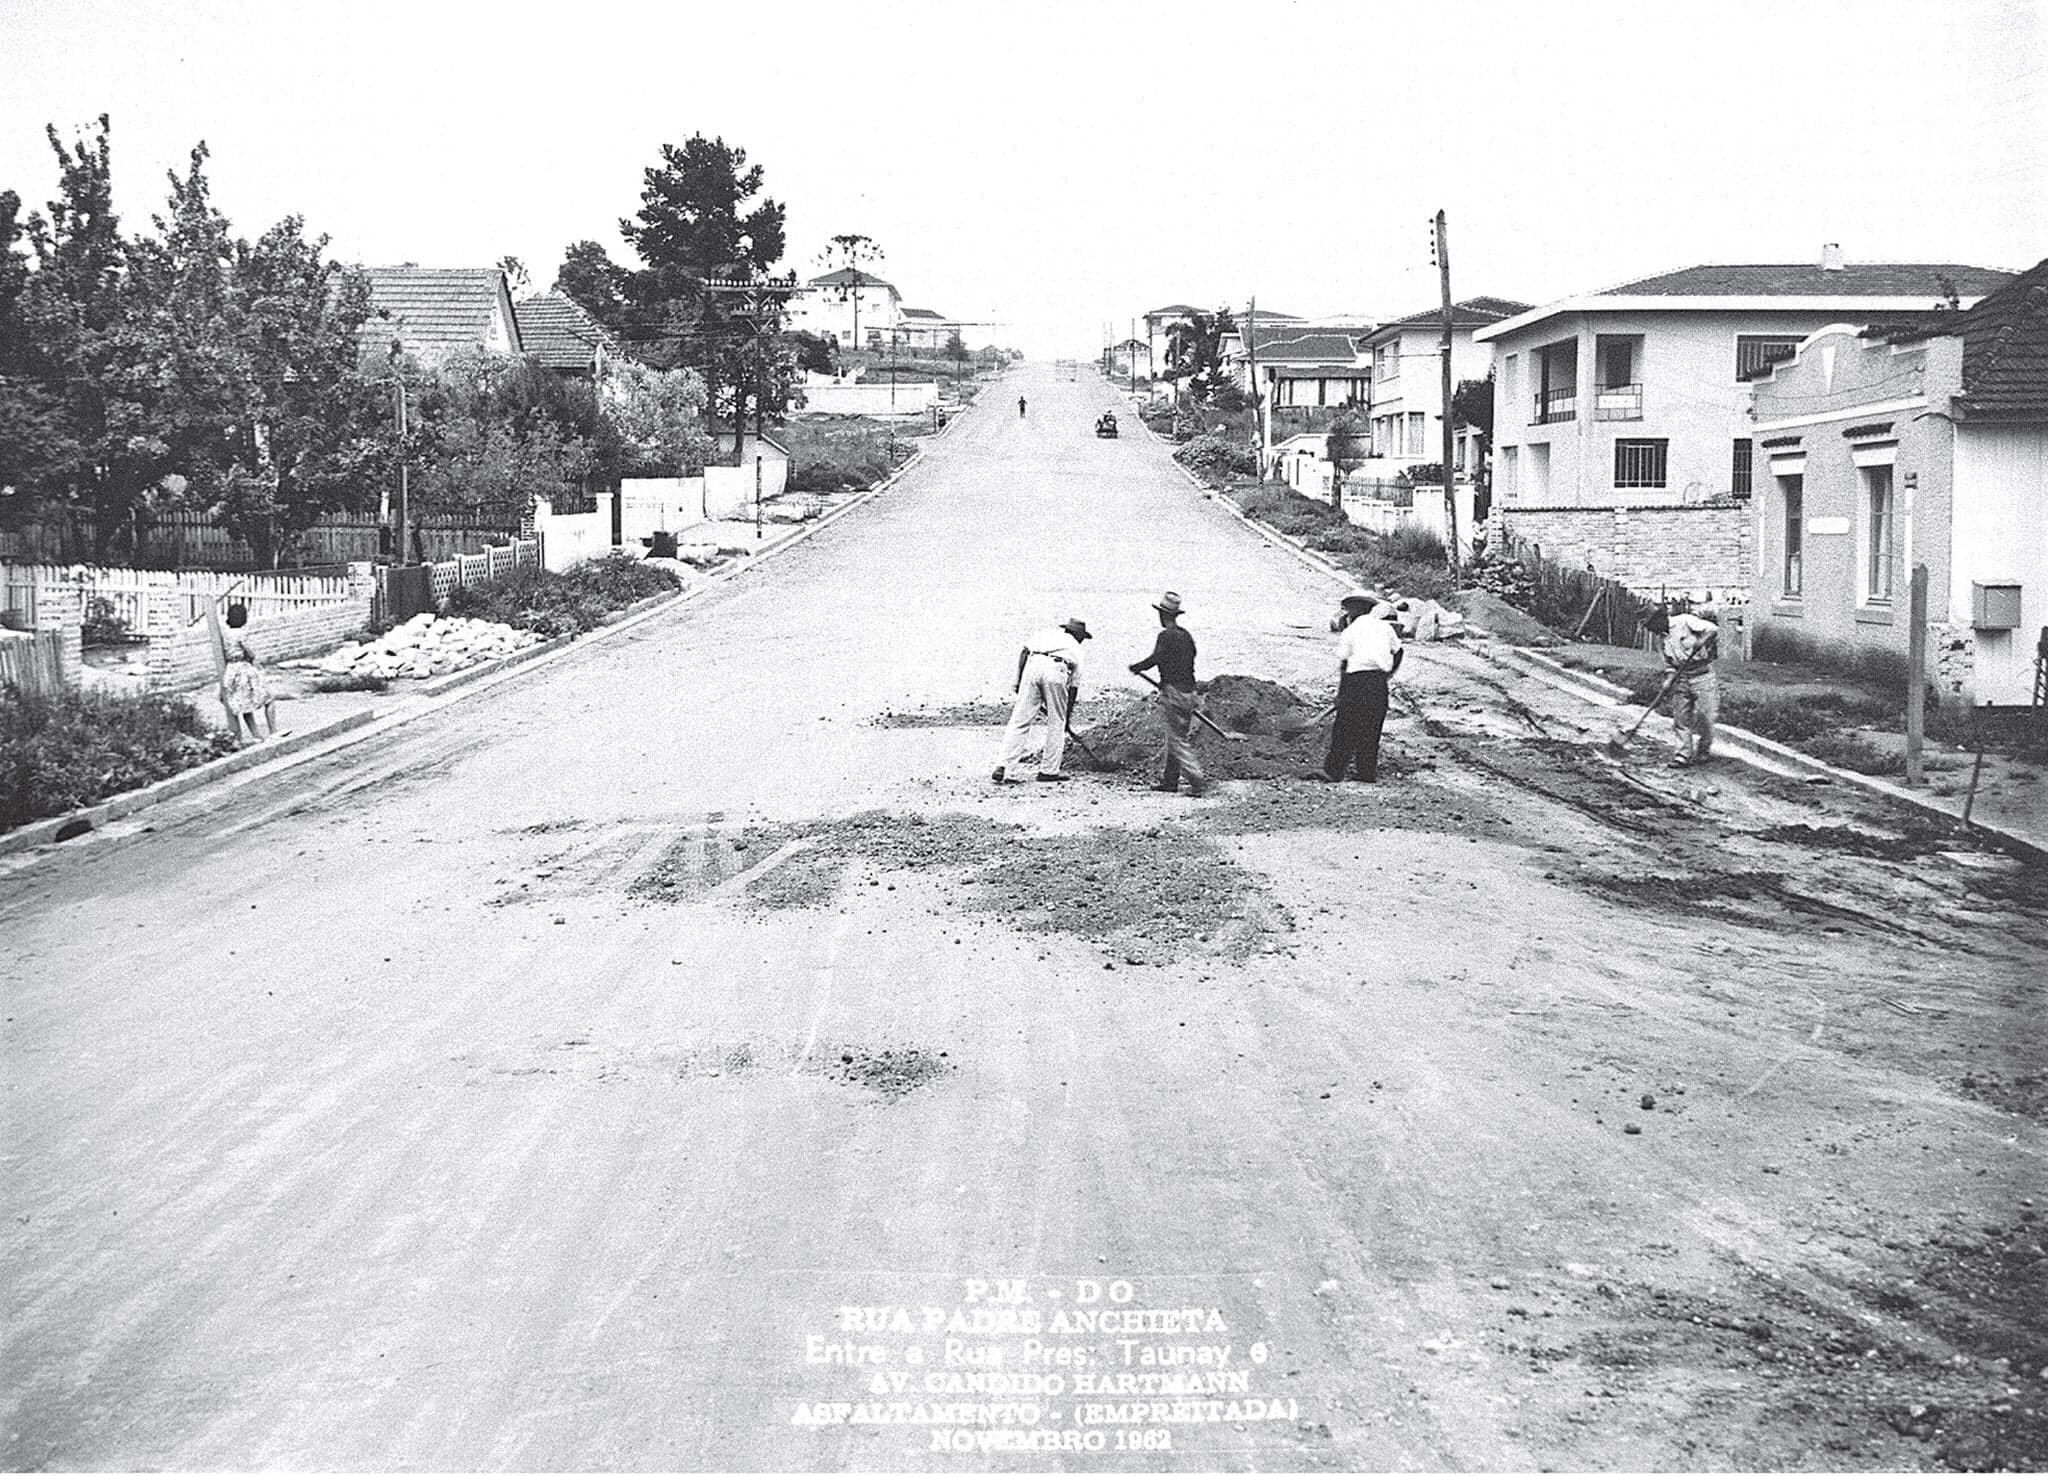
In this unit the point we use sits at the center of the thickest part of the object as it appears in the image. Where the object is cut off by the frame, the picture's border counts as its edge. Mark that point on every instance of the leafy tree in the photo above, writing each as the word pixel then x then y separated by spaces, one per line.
pixel 1344 449
pixel 33 444
pixel 1194 352
pixel 95 354
pixel 956 347
pixel 479 439
pixel 516 275
pixel 659 418
pixel 811 352
pixel 597 284
pixel 1472 405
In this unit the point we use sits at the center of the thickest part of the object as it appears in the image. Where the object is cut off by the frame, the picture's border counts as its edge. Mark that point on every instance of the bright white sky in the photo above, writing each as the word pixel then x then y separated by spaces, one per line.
pixel 1056 167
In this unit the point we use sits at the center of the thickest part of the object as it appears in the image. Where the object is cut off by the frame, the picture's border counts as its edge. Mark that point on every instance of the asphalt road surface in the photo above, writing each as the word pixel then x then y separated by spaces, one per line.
pixel 682 1056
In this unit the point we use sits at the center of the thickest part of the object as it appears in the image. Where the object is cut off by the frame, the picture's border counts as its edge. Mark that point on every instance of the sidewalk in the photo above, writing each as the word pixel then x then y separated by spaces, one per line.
pixel 2012 791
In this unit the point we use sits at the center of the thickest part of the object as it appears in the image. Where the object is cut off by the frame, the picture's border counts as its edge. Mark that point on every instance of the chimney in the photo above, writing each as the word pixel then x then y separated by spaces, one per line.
pixel 1831 257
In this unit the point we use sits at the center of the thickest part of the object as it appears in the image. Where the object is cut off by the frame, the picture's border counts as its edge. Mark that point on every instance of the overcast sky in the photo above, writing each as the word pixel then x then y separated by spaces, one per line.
pixel 1050 167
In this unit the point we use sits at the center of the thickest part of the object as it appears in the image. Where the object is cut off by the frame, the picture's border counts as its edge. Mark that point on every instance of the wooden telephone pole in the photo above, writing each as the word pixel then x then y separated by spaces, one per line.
pixel 1441 244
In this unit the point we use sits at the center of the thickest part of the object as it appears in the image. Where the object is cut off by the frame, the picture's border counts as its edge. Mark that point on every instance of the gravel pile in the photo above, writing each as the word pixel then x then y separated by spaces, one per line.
pixel 1281 736
pixel 426 645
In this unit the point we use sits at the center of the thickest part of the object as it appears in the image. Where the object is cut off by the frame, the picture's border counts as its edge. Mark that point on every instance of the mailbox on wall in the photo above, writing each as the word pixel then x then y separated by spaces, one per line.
pixel 1995 606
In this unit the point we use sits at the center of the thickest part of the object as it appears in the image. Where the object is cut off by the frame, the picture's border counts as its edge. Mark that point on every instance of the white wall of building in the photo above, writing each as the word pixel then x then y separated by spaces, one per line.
pixel 2000 536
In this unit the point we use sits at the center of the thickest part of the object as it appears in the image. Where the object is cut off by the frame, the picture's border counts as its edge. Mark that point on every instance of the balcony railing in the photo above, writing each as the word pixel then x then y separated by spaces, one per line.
pixel 1618 402
pixel 1555 405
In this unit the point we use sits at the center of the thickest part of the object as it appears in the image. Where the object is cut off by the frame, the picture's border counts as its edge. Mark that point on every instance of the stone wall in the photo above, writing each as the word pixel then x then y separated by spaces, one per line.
pixel 1703 548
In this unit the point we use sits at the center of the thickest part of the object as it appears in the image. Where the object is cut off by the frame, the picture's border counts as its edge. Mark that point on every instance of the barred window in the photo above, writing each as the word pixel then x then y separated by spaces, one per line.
pixel 1739 478
pixel 1639 463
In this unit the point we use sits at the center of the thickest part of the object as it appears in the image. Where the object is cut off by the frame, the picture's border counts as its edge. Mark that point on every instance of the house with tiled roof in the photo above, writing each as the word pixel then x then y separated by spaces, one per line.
pixel 432 313
pixel 852 308
pixel 1613 409
pixel 925 330
pixel 1407 418
pixel 1926 442
pixel 556 330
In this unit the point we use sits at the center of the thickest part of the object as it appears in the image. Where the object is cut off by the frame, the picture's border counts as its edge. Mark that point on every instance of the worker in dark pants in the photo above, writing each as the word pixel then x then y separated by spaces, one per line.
pixel 1173 657
pixel 1368 655
pixel 1020 407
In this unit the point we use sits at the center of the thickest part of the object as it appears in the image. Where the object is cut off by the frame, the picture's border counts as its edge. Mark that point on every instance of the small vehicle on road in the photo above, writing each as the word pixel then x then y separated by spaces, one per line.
pixel 1105 424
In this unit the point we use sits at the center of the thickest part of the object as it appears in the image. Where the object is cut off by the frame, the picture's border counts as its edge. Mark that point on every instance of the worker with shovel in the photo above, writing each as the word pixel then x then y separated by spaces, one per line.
pixel 1048 681
pixel 1690 646
pixel 1173 657
pixel 1368 655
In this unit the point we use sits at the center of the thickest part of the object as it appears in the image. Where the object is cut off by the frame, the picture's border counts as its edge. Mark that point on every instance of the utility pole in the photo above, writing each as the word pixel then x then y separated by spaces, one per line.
pixel 1441 244
pixel 1251 356
pixel 398 408
pixel 762 303
pixel 1916 676
pixel 1131 355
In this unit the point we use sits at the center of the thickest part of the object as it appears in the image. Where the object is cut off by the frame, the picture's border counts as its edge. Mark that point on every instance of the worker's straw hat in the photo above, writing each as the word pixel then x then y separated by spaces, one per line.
pixel 1363 599
pixel 1075 628
pixel 1169 604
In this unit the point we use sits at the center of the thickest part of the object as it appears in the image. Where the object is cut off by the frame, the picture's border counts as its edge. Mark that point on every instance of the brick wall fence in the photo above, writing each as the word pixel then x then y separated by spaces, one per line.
pixel 1701 548
pixel 181 659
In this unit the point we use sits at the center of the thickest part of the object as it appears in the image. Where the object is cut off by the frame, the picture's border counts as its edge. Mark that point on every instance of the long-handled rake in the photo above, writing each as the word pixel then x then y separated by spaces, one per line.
pixel 1619 742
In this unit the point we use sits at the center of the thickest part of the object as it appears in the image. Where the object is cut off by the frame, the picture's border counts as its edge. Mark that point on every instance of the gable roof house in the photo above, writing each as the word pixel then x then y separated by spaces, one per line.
pixel 432 313
pixel 1621 422
pixel 556 330
pixel 1407 413
pixel 1881 448
pixel 855 309
pixel 922 328
pixel 1305 377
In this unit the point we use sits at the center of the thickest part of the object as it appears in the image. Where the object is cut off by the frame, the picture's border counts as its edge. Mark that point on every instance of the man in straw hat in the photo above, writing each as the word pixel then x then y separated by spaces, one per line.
pixel 1048 681
pixel 1173 657
pixel 1368 655
pixel 1690 646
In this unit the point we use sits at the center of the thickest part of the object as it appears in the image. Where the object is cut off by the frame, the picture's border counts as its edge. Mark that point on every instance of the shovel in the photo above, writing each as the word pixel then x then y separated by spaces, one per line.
pixel 1619 742
pixel 1200 716
pixel 1082 744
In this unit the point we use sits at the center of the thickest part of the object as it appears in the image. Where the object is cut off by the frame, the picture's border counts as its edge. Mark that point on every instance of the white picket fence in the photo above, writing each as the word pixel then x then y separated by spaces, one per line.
pixel 171 599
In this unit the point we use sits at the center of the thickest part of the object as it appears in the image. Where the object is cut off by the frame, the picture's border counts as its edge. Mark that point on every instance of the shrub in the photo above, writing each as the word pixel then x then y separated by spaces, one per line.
pixel 1216 454
pixel 102 627
pixel 76 748
pixel 535 599
pixel 1414 545
pixel 837 456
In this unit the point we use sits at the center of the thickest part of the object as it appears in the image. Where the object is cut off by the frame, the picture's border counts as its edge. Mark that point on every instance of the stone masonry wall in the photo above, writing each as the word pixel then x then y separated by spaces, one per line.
pixel 1702 547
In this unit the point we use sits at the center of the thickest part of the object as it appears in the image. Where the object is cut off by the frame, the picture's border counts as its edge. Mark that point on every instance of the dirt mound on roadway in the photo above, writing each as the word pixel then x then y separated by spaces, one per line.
pixel 1281 737
pixel 1497 616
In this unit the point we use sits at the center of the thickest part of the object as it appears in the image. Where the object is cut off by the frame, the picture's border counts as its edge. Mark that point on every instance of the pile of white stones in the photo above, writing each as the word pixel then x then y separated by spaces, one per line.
pixel 426 645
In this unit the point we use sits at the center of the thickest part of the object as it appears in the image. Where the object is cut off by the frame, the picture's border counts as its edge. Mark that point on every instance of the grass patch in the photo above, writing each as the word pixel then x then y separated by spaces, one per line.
pixel 841 454
pixel 58 753
pixel 535 599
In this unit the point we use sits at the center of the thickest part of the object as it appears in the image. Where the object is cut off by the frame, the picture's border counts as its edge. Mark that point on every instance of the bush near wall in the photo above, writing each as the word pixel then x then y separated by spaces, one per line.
pixel 61 751
pixel 840 456
pixel 1408 560
pixel 530 598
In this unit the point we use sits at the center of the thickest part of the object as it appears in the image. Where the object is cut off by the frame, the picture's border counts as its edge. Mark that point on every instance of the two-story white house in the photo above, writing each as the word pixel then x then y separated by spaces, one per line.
pixel 1407 413
pixel 1621 418
pixel 855 309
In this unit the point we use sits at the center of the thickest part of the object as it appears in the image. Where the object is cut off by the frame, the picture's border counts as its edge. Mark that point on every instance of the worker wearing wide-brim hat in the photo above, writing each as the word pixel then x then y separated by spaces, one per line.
pixel 1368 655
pixel 1048 682
pixel 1173 656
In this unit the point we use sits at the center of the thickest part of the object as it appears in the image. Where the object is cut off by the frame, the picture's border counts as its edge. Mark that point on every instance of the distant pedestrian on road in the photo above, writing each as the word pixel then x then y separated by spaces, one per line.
pixel 1020 407
pixel 1690 647
pixel 1173 657
pixel 1048 683
pixel 1368 655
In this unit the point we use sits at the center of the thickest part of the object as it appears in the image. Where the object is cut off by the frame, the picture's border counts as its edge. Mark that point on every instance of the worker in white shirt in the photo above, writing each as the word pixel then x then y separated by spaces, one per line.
pixel 1048 681
pixel 1690 646
pixel 1368 654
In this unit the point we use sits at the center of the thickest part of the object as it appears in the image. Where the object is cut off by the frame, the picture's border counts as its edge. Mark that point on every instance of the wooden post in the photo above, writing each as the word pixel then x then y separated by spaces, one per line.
pixel 1916 675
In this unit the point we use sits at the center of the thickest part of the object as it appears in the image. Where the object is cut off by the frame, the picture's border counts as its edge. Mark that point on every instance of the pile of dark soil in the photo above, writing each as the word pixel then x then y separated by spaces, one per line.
pixel 1919 840
pixel 1280 734
pixel 892 1073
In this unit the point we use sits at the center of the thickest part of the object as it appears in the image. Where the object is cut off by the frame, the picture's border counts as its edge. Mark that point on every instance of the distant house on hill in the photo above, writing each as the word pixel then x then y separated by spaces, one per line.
pixel 432 313
pixel 556 330
pixel 855 309
pixel 1408 383
pixel 924 330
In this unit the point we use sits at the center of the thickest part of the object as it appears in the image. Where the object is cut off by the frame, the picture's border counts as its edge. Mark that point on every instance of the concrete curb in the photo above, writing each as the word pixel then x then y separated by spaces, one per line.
pixel 302 747
pixel 42 832
pixel 1771 756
